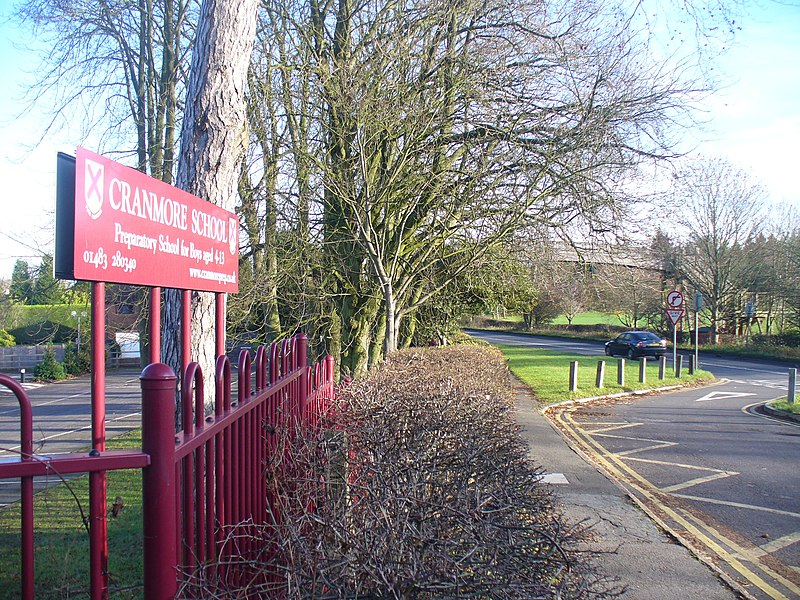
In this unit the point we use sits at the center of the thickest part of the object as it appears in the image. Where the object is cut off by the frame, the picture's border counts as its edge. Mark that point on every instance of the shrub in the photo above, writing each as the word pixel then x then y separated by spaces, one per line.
pixel 49 369
pixel 77 362
pixel 417 486
pixel 6 339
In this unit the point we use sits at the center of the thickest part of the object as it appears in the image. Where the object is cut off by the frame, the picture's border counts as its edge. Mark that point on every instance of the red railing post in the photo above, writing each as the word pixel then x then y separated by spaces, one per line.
pixel 26 455
pixel 159 518
pixel 98 525
pixel 302 365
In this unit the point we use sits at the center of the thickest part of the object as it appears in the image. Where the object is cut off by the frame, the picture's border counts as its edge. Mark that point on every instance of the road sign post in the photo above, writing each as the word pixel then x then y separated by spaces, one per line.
pixel 698 305
pixel 674 311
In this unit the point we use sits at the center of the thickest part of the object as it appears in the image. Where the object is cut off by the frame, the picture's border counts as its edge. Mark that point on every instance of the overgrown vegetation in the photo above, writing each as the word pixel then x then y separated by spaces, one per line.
pixel 420 488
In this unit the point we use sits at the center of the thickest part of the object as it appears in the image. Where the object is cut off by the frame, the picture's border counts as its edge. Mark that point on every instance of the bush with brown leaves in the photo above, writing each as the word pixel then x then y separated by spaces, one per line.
pixel 418 485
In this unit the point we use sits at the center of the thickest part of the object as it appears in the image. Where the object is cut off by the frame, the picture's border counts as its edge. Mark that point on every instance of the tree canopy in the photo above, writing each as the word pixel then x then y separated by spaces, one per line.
pixel 393 148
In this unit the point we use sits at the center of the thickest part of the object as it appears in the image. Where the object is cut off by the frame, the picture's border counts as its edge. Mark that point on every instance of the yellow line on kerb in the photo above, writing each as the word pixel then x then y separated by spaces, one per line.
pixel 618 468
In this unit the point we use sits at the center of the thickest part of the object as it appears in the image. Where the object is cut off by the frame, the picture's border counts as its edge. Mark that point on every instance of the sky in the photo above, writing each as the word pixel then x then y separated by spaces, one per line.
pixel 753 121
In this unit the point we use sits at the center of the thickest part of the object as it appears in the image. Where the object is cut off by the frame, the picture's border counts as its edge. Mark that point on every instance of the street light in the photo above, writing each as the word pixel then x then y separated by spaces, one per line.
pixel 77 315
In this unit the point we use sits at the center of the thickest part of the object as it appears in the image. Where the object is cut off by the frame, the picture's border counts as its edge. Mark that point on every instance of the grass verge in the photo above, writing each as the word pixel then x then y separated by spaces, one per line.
pixel 783 405
pixel 547 373
pixel 61 541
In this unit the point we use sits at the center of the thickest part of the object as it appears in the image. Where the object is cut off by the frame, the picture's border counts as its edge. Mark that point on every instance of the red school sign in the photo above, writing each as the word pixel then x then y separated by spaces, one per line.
pixel 134 229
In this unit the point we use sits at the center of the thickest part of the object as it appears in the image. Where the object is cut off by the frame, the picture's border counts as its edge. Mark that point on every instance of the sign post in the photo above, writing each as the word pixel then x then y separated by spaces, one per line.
pixel 674 312
pixel 698 305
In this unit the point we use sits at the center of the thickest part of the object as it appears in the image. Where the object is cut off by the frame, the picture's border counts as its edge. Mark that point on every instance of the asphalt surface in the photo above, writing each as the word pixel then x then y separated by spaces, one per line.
pixel 62 419
pixel 720 477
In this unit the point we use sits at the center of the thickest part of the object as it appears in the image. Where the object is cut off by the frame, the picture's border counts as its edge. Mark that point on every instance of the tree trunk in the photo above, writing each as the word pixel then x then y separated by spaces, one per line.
pixel 390 309
pixel 212 145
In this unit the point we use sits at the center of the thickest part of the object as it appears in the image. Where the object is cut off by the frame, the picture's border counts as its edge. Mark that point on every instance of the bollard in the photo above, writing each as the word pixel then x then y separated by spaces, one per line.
pixel 601 373
pixel 691 364
pixel 621 371
pixel 662 367
pixel 22 375
pixel 642 369
pixel 573 375
pixel 792 385
pixel 678 365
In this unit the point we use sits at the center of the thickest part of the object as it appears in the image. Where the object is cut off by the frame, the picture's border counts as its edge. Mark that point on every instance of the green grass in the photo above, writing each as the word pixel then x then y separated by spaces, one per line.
pixel 589 318
pixel 62 543
pixel 793 408
pixel 547 373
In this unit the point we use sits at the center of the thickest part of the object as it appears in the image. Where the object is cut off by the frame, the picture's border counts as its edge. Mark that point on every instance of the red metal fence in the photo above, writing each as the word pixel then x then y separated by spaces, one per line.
pixel 200 485
pixel 206 490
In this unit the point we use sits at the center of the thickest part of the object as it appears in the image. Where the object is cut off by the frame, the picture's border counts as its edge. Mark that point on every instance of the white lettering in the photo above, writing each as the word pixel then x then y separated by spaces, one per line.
pixel 168 246
pixel 209 226
pixel 147 205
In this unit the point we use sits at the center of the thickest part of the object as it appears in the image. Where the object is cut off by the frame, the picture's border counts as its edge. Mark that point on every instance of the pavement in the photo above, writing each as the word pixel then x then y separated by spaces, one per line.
pixel 626 545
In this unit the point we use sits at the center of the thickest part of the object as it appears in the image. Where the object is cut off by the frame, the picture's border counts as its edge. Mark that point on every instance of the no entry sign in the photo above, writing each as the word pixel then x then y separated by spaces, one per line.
pixel 119 225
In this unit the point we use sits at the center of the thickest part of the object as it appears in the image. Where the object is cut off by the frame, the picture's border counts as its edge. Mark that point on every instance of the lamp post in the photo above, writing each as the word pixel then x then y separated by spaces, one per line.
pixel 76 314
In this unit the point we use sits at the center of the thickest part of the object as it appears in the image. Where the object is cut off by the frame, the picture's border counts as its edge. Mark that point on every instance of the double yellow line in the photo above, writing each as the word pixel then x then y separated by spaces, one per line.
pixel 743 561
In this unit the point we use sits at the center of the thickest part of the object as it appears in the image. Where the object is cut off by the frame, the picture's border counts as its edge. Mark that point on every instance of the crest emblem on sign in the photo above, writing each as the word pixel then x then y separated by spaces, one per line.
pixel 233 238
pixel 93 188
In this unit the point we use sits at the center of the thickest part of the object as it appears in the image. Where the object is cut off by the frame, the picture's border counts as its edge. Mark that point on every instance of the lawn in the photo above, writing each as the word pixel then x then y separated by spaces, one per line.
pixel 791 407
pixel 61 542
pixel 547 373
pixel 588 318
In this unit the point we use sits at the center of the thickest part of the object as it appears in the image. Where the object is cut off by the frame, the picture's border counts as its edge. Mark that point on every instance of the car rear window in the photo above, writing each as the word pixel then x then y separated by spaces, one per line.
pixel 647 337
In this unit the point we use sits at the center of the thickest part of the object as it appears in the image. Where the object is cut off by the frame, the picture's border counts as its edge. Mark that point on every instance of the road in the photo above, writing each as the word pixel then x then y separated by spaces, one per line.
pixel 718 475
pixel 62 420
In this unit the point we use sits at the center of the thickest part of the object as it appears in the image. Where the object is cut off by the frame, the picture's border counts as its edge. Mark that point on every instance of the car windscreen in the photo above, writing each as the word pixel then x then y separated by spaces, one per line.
pixel 647 337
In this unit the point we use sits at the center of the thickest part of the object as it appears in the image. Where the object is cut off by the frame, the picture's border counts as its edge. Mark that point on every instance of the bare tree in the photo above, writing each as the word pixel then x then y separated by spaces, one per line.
pixel 720 207
pixel 118 68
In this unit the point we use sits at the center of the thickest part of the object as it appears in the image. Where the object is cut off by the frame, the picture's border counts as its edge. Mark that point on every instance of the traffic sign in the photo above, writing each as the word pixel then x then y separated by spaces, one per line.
pixel 674 299
pixel 674 315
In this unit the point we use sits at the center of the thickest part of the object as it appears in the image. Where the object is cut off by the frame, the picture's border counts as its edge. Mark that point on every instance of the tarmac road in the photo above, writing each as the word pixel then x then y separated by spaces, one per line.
pixel 62 420
pixel 722 479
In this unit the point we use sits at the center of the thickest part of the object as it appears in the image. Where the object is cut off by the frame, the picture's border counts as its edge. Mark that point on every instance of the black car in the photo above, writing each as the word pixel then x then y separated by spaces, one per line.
pixel 635 344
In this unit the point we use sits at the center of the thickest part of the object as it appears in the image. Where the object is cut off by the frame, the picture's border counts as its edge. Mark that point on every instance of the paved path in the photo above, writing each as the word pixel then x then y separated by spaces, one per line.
pixel 628 545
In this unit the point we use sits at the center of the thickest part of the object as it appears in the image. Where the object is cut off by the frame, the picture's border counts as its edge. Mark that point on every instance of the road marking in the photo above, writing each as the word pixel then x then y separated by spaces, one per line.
pixel 656 444
pixel 766 509
pixel 698 481
pixel 63 433
pixel 723 395
pixel 749 410
pixel 703 532
pixel 781 542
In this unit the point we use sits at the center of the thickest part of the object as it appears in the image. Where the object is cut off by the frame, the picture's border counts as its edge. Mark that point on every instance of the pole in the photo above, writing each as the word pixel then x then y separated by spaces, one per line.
pixel 792 386
pixel 601 372
pixel 159 526
pixel 674 343
pixel 573 375
pixel 98 528
pixel 696 340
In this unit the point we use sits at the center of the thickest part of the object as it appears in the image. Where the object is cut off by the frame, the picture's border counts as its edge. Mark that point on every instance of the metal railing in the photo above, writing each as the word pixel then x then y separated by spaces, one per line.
pixel 199 484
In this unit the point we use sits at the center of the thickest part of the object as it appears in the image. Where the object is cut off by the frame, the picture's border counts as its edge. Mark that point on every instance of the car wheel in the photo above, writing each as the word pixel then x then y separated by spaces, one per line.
pixel 630 354
pixel 608 351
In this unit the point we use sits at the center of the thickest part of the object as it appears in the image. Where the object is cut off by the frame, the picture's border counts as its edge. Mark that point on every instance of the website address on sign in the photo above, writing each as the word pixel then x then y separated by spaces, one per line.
pixel 212 275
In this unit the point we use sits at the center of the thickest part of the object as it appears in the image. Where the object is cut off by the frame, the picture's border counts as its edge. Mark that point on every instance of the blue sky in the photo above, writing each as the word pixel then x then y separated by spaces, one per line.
pixel 754 121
